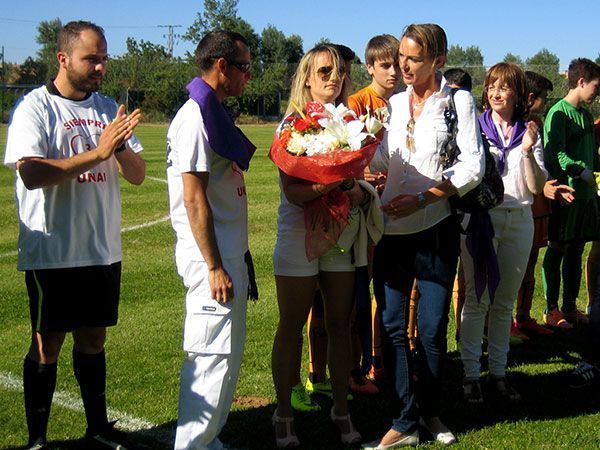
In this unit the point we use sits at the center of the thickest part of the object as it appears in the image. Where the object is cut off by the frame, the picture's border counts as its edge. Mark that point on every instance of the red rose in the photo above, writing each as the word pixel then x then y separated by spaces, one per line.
pixel 314 108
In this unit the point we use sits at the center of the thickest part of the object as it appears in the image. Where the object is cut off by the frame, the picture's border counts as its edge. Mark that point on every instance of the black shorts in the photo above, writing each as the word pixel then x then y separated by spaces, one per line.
pixel 66 299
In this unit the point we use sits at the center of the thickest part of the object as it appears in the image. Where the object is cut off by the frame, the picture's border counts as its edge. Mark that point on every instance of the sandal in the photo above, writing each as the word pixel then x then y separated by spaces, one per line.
pixel 504 390
pixel 352 437
pixel 290 439
pixel 472 392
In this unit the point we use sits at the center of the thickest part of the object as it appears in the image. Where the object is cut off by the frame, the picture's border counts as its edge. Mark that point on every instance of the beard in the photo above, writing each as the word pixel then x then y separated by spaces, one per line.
pixel 85 83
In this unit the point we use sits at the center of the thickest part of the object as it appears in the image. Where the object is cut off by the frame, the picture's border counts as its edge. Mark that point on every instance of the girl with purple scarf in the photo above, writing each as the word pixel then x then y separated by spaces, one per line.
pixel 517 147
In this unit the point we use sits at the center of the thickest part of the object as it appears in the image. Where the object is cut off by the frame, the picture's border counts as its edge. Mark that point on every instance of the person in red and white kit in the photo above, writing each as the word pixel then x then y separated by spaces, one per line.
pixel 206 154
pixel 68 144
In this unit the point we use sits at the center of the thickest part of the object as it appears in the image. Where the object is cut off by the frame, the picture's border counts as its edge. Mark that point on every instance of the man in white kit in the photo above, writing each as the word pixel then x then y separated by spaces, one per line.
pixel 68 145
pixel 206 154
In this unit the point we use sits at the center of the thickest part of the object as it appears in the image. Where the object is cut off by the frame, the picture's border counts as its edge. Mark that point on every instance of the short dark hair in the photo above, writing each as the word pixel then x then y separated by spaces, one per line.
pixel 217 44
pixel 346 52
pixel 582 68
pixel 459 77
pixel 537 84
pixel 71 31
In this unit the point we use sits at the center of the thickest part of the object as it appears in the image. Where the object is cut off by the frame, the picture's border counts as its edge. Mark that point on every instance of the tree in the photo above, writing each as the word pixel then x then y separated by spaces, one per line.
pixel 294 48
pixel 147 76
pixel 216 14
pixel 547 64
pixel 543 60
pixel 47 37
pixel 222 14
pixel 469 59
pixel 515 59
pixel 459 57
pixel 32 71
pixel 273 48
pixel 323 41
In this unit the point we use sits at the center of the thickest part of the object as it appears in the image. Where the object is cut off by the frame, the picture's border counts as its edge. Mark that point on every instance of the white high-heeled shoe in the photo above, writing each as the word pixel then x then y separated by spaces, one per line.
pixel 352 437
pixel 290 439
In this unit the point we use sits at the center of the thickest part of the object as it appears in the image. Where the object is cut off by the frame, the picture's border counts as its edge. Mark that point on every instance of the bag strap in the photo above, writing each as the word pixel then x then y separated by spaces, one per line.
pixel 450 150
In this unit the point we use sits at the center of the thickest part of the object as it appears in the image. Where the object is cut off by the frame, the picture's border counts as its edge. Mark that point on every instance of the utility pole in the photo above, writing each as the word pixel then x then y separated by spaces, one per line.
pixel 171 36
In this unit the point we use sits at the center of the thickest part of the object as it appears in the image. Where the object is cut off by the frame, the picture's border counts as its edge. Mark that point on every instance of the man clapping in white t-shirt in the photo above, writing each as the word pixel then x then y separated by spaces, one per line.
pixel 68 145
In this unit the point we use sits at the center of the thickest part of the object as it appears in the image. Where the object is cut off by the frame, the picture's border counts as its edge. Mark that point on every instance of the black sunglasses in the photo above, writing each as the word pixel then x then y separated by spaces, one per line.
pixel 242 67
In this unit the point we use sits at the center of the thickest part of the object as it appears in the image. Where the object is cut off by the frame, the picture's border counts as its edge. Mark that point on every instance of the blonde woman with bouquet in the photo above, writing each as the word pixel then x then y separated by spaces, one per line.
pixel 320 77
pixel 421 239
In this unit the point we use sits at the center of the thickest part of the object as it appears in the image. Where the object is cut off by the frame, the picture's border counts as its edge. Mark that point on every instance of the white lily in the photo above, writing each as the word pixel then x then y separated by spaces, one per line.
pixel 376 120
pixel 346 133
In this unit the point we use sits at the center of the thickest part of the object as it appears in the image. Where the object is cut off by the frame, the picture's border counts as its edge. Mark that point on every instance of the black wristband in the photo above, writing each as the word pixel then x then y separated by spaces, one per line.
pixel 121 148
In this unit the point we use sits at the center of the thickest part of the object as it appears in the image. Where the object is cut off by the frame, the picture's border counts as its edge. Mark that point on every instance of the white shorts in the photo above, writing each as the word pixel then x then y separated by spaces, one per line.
pixel 289 258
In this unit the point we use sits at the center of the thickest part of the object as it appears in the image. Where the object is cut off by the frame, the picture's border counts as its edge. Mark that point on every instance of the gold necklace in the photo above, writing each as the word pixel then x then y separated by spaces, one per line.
pixel 418 104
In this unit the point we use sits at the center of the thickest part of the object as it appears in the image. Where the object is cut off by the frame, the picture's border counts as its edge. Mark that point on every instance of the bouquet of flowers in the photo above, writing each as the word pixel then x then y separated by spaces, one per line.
pixel 325 145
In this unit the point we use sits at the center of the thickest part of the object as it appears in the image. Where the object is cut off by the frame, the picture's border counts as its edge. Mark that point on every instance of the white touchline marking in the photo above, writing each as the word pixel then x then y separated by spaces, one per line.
pixel 146 224
pixel 69 401
pixel 123 230
pixel 156 179
pixel 134 227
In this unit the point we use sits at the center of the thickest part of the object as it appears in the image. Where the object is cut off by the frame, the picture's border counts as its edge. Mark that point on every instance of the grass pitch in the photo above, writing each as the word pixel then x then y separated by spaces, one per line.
pixel 144 350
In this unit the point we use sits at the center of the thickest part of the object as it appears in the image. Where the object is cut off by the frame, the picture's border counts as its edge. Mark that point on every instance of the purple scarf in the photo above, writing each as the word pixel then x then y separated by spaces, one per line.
pixel 480 244
pixel 224 137
pixel 491 132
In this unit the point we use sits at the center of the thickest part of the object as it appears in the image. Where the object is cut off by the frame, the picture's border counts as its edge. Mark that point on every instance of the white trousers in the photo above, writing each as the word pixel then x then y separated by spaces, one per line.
pixel 513 237
pixel 214 336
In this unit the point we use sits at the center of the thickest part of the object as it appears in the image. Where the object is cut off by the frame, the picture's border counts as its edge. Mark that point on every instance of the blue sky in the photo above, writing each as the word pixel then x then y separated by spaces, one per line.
pixel 568 28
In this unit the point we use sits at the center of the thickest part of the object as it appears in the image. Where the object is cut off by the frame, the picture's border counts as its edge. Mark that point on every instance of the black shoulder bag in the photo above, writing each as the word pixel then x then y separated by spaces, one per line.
pixel 490 191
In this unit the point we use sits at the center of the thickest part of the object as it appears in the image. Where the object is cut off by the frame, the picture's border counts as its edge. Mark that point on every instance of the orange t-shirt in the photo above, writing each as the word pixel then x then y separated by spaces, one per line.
pixel 367 96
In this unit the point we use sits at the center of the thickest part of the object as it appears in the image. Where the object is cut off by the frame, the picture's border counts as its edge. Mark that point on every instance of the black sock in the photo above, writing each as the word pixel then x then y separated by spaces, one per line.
pixel 39 382
pixel 90 371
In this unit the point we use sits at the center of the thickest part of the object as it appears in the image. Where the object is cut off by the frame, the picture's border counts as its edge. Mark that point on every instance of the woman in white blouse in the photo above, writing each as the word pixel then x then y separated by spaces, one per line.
pixel 517 147
pixel 421 239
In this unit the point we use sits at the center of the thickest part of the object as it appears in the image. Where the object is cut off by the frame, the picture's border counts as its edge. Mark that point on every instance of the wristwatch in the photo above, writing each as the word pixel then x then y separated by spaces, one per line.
pixel 421 200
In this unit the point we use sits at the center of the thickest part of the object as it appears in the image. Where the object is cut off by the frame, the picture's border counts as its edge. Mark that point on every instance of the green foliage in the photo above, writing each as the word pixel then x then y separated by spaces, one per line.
pixel 32 71
pixel 470 59
pixel 515 59
pixel 323 40
pixel 547 64
pixel 148 77
pixel 217 14
pixel 222 14
pixel 470 56
pixel 47 37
